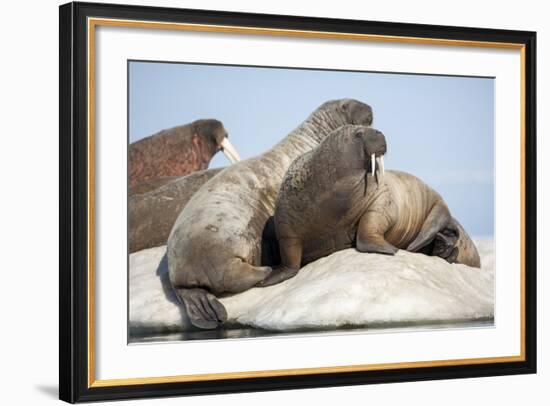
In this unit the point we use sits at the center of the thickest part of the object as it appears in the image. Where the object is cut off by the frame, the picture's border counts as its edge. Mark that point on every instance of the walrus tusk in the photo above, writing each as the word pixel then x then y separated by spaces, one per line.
pixel 230 151
pixel 375 174
pixel 380 173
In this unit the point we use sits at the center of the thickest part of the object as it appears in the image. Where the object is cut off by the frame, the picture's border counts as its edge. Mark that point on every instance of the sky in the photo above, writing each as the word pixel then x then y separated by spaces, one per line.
pixel 439 128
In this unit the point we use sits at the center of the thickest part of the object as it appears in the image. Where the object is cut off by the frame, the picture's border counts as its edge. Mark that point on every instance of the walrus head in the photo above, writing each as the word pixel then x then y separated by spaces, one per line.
pixel 356 112
pixel 371 149
pixel 357 148
pixel 341 112
pixel 214 133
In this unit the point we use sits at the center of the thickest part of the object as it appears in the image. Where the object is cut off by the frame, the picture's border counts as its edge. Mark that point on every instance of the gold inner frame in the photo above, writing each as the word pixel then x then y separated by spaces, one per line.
pixel 94 22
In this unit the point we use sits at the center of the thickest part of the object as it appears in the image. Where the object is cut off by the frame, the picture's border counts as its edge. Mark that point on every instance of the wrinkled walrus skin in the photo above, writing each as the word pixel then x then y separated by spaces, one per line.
pixel 215 246
pixel 148 185
pixel 152 215
pixel 178 151
pixel 329 200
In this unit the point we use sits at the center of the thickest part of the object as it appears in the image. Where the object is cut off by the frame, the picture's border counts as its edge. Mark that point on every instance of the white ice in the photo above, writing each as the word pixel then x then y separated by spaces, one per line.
pixel 347 288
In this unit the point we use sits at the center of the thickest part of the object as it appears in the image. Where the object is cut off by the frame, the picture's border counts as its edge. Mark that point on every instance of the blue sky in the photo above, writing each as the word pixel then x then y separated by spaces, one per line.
pixel 439 128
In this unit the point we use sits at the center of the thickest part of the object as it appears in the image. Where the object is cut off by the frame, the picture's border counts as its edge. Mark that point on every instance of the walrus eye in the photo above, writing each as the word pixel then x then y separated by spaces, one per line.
pixel 358 133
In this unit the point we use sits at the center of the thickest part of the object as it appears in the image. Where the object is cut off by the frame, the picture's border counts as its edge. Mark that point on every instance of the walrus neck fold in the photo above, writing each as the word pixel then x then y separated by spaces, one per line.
pixel 309 134
pixel 325 122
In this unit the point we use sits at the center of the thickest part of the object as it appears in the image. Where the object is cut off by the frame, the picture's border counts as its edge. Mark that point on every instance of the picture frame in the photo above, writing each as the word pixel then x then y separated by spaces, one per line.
pixel 78 381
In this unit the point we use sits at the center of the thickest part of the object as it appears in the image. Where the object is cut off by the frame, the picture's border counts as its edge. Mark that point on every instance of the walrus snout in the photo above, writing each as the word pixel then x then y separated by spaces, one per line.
pixel 375 148
pixel 374 140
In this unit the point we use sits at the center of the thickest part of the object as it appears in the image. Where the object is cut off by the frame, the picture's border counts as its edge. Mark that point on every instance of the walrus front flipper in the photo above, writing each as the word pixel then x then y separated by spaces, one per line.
pixel 278 275
pixel 370 234
pixel 203 308
pixel 240 275
pixel 291 259
pixel 437 220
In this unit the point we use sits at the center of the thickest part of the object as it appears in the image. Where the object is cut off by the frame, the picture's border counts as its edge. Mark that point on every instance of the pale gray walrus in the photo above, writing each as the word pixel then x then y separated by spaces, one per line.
pixel 151 215
pixel 333 198
pixel 215 246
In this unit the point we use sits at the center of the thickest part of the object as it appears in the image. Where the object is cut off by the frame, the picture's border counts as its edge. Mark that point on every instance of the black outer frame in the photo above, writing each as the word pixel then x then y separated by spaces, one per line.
pixel 73 293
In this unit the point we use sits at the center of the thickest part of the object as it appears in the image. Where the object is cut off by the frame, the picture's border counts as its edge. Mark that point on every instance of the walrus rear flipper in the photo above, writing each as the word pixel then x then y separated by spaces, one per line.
pixel 455 245
pixel 203 309
pixel 437 219
pixel 445 242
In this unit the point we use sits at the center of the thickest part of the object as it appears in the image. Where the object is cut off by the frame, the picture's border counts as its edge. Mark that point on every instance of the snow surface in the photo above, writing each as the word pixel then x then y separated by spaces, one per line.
pixel 345 289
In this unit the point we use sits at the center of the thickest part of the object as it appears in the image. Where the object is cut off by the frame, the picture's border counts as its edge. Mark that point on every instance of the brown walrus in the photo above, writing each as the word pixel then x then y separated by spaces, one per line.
pixel 333 198
pixel 152 215
pixel 178 151
pixel 149 185
pixel 215 246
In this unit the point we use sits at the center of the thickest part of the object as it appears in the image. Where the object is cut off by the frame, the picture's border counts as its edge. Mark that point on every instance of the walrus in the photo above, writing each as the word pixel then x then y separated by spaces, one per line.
pixel 152 214
pixel 333 198
pixel 215 246
pixel 149 185
pixel 178 151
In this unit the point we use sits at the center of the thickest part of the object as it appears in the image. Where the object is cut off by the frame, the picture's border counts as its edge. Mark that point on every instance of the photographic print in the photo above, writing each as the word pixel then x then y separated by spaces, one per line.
pixel 257 202
pixel 270 201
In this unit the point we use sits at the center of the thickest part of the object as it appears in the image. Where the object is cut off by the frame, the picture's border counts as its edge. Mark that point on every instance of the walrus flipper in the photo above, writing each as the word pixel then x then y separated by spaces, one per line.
pixel 279 274
pixel 455 245
pixel 437 220
pixel 445 242
pixel 370 234
pixel 291 258
pixel 203 308
pixel 240 275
